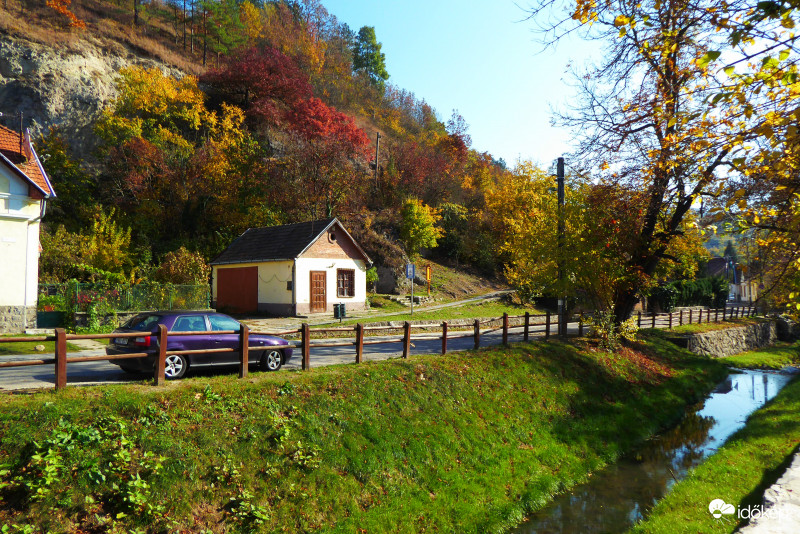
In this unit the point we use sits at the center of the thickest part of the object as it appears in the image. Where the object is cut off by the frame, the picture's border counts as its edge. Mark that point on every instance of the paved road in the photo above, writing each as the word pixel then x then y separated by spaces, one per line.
pixel 103 372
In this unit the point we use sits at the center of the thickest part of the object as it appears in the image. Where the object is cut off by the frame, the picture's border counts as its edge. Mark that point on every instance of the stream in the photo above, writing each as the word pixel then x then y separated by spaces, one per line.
pixel 614 499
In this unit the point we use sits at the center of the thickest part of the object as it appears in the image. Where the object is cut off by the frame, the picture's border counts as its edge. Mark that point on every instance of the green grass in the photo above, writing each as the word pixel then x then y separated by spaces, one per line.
pixel 383 304
pixel 775 357
pixel 695 328
pixel 464 442
pixel 743 468
pixel 28 347
pixel 738 473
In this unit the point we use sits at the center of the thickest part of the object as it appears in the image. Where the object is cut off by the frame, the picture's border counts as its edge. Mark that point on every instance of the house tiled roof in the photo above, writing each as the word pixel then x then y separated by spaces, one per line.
pixel 285 242
pixel 273 242
pixel 23 160
pixel 717 267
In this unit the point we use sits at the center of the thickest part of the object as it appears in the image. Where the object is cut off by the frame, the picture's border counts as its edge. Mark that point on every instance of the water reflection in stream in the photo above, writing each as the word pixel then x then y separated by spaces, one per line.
pixel 615 498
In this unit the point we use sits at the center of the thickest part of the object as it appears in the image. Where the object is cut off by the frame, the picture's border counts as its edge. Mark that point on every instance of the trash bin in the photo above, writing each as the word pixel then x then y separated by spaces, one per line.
pixel 339 311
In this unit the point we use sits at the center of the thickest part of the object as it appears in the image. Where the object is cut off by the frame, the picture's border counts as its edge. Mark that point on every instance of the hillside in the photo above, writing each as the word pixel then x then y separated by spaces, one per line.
pixel 63 87
pixel 182 125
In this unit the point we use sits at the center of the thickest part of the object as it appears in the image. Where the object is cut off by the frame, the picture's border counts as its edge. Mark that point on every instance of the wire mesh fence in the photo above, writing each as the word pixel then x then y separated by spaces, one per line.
pixel 82 297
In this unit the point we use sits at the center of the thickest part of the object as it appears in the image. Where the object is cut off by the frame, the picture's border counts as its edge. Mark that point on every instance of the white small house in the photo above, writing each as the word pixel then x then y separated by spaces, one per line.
pixel 294 269
pixel 24 191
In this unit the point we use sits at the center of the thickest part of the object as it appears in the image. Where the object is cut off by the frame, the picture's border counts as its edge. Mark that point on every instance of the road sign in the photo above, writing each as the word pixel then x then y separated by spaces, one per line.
pixel 428 277
pixel 411 271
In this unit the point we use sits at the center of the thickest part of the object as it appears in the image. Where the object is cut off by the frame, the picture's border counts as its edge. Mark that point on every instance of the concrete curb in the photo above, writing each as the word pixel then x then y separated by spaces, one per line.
pixel 781 505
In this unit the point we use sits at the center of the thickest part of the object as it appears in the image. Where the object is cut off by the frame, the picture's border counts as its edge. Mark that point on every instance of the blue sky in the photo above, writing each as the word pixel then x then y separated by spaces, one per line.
pixel 480 58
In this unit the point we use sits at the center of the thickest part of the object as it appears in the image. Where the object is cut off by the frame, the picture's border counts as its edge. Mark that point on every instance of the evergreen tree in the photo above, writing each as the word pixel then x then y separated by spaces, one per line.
pixel 368 58
pixel 730 252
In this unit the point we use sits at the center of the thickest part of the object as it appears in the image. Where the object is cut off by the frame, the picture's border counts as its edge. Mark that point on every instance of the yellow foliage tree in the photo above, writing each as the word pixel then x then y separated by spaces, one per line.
pixel 602 224
pixel 108 245
pixel 168 112
pixel 252 19
pixel 418 227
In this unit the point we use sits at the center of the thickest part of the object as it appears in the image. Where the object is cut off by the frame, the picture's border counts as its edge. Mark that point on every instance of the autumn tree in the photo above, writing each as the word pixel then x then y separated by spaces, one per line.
pixel 74 184
pixel 183 267
pixel 594 254
pixel 180 171
pixel 641 115
pixel 418 226
pixel 263 81
pixel 325 159
pixel 169 112
pixel 295 29
pixel 62 7
pixel 105 247
pixel 252 20
pixel 758 67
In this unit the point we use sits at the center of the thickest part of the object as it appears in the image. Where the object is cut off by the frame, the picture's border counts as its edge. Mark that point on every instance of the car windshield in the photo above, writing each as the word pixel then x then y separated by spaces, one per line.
pixel 144 322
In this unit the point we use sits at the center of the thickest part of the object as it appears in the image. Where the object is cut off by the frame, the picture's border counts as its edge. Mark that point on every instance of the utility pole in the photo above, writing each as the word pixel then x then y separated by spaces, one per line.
pixel 562 299
pixel 377 151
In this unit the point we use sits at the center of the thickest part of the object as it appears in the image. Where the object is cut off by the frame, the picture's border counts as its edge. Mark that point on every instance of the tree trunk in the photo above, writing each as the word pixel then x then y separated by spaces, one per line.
pixel 624 305
pixel 191 29
pixel 184 24
pixel 205 38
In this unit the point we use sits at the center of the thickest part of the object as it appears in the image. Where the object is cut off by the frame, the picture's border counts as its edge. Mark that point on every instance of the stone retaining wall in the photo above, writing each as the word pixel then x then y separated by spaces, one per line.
pixel 13 320
pixel 720 343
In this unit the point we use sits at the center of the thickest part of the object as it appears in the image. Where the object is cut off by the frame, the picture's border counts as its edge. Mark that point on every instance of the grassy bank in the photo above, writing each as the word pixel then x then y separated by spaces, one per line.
pixel 476 310
pixel 752 460
pixel 466 442
pixel 775 357
pixel 700 328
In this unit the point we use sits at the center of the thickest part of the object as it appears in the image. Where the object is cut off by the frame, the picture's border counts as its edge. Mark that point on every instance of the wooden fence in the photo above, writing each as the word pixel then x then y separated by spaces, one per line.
pixel 529 324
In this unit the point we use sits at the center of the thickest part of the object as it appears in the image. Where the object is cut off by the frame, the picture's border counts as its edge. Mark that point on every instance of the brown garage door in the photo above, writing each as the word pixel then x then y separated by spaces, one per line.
pixel 237 289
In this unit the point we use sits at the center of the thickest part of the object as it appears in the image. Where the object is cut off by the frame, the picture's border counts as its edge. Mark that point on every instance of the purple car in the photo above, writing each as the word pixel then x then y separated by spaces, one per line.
pixel 267 351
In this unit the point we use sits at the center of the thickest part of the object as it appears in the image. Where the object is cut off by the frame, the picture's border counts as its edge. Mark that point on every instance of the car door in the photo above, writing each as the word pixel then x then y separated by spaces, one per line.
pixel 219 322
pixel 191 323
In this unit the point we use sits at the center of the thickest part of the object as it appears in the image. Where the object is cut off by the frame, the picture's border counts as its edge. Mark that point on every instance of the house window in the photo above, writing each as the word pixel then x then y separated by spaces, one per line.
pixel 345 283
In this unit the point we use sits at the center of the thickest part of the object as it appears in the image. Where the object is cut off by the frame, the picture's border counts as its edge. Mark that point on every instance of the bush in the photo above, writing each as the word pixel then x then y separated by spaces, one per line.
pixel 665 297
pixel 712 292
pixel 183 267
pixel 372 277
pixel 602 326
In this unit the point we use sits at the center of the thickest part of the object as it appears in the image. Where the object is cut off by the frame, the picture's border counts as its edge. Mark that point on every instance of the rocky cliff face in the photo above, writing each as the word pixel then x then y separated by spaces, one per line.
pixel 66 88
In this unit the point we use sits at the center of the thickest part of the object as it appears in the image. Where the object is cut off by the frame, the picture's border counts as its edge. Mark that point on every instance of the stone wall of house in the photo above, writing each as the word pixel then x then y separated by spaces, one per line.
pixel 13 318
pixel 719 343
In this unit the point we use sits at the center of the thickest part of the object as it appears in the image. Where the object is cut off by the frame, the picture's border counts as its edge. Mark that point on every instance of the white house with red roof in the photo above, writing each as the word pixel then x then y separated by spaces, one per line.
pixel 24 192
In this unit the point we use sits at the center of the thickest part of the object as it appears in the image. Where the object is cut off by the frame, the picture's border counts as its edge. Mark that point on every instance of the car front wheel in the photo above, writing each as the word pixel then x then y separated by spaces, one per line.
pixel 271 360
pixel 175 366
